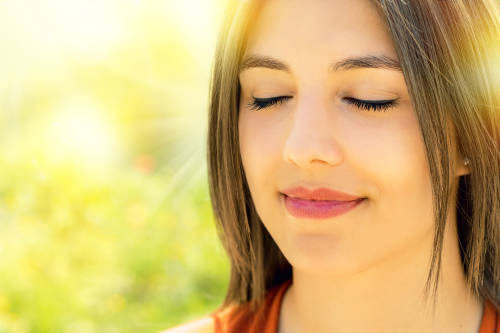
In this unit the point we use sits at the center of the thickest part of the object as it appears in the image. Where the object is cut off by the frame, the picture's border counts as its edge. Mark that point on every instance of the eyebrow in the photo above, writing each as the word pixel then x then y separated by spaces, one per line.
pixel 369 61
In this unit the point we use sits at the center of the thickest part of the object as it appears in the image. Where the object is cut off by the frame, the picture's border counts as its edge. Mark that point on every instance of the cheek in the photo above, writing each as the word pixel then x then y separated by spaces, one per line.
pixel 396 165
pixel 399 161
pixel 260 153
pixel 386 154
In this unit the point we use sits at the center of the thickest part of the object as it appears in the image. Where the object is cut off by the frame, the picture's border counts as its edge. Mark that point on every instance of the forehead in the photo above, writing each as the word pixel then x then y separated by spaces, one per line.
pixel 319 31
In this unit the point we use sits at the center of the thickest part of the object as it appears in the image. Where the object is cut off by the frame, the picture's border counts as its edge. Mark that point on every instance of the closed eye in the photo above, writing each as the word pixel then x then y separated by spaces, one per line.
pixel 377 105
pixel 261 103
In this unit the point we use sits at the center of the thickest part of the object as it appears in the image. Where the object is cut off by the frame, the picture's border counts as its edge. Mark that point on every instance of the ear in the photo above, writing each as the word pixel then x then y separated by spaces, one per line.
pixel 461 168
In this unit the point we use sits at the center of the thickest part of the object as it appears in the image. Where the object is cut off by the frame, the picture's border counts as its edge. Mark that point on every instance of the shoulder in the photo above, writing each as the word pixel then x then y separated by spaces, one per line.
pixel 202 325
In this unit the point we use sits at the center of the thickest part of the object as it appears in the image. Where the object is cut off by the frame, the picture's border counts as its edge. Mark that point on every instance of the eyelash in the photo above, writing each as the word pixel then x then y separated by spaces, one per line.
pixel 377 106
pixel 261 103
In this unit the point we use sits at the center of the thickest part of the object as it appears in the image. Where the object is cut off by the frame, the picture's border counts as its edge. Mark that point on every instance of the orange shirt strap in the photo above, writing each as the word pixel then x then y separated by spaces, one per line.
pixel 491 320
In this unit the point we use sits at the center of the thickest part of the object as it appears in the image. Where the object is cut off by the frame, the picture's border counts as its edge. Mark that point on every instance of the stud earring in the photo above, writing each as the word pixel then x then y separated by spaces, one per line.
pixel 466 161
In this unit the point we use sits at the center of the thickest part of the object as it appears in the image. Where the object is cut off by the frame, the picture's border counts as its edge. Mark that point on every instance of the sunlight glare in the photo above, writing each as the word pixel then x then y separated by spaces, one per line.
pixel 81 133
pixel 49 29
pixel 195 17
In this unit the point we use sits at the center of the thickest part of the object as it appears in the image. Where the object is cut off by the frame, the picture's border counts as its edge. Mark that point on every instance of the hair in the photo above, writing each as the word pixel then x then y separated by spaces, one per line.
pixel 445 50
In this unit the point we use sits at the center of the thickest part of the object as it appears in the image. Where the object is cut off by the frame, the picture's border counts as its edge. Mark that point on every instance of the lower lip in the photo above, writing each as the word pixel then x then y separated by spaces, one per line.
pixel 321 209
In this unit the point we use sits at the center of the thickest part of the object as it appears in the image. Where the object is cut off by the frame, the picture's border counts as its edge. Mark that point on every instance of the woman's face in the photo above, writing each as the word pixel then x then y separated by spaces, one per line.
pixel 318 137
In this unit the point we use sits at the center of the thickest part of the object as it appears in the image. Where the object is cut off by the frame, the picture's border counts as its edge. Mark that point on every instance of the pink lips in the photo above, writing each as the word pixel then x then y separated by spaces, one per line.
pixel 320 203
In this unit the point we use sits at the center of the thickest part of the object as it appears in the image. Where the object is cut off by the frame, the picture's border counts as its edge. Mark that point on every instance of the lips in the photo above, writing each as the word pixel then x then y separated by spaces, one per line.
pixel 319 194
pixel 319 203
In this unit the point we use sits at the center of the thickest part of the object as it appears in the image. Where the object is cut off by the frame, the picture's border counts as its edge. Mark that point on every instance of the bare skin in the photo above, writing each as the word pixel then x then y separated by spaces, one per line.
pixel 363 271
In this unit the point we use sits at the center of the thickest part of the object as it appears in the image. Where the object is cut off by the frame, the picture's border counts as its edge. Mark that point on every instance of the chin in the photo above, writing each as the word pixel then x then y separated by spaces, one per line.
pixel 320 257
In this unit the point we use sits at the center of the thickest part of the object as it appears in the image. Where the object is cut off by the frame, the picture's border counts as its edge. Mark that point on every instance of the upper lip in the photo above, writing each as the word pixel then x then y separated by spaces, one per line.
pixel 321 193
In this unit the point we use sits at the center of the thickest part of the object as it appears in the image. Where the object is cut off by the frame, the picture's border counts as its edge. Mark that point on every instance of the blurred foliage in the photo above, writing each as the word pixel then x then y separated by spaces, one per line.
pixel 105 217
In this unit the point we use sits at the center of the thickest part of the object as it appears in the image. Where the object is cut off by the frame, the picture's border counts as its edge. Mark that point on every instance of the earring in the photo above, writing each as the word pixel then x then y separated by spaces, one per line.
pixel 466 161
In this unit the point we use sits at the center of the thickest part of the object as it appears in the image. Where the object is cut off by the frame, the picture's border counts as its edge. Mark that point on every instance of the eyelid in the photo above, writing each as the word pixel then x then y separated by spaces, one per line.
pixel 372 105
pixel 259 103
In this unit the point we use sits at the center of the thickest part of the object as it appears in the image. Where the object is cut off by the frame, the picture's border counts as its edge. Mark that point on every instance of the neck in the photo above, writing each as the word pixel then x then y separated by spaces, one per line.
pixel 386 298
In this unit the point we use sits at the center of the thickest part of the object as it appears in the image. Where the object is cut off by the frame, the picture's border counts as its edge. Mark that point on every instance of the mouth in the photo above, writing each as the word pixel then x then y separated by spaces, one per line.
pixel 313 208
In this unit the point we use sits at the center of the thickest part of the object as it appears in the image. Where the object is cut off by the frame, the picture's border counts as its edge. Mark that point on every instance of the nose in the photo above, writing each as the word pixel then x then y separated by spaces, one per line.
pixel 311 140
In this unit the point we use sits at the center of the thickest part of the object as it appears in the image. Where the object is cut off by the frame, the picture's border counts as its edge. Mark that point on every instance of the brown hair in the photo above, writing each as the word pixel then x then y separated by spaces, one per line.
pixel 445 50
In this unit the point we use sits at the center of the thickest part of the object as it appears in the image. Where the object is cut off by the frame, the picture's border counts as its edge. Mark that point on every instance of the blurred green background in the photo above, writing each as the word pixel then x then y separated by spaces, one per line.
pixel 105 217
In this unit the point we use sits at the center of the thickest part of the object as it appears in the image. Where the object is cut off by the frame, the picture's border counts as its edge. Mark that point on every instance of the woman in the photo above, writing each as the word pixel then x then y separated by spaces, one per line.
pixel 354 166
